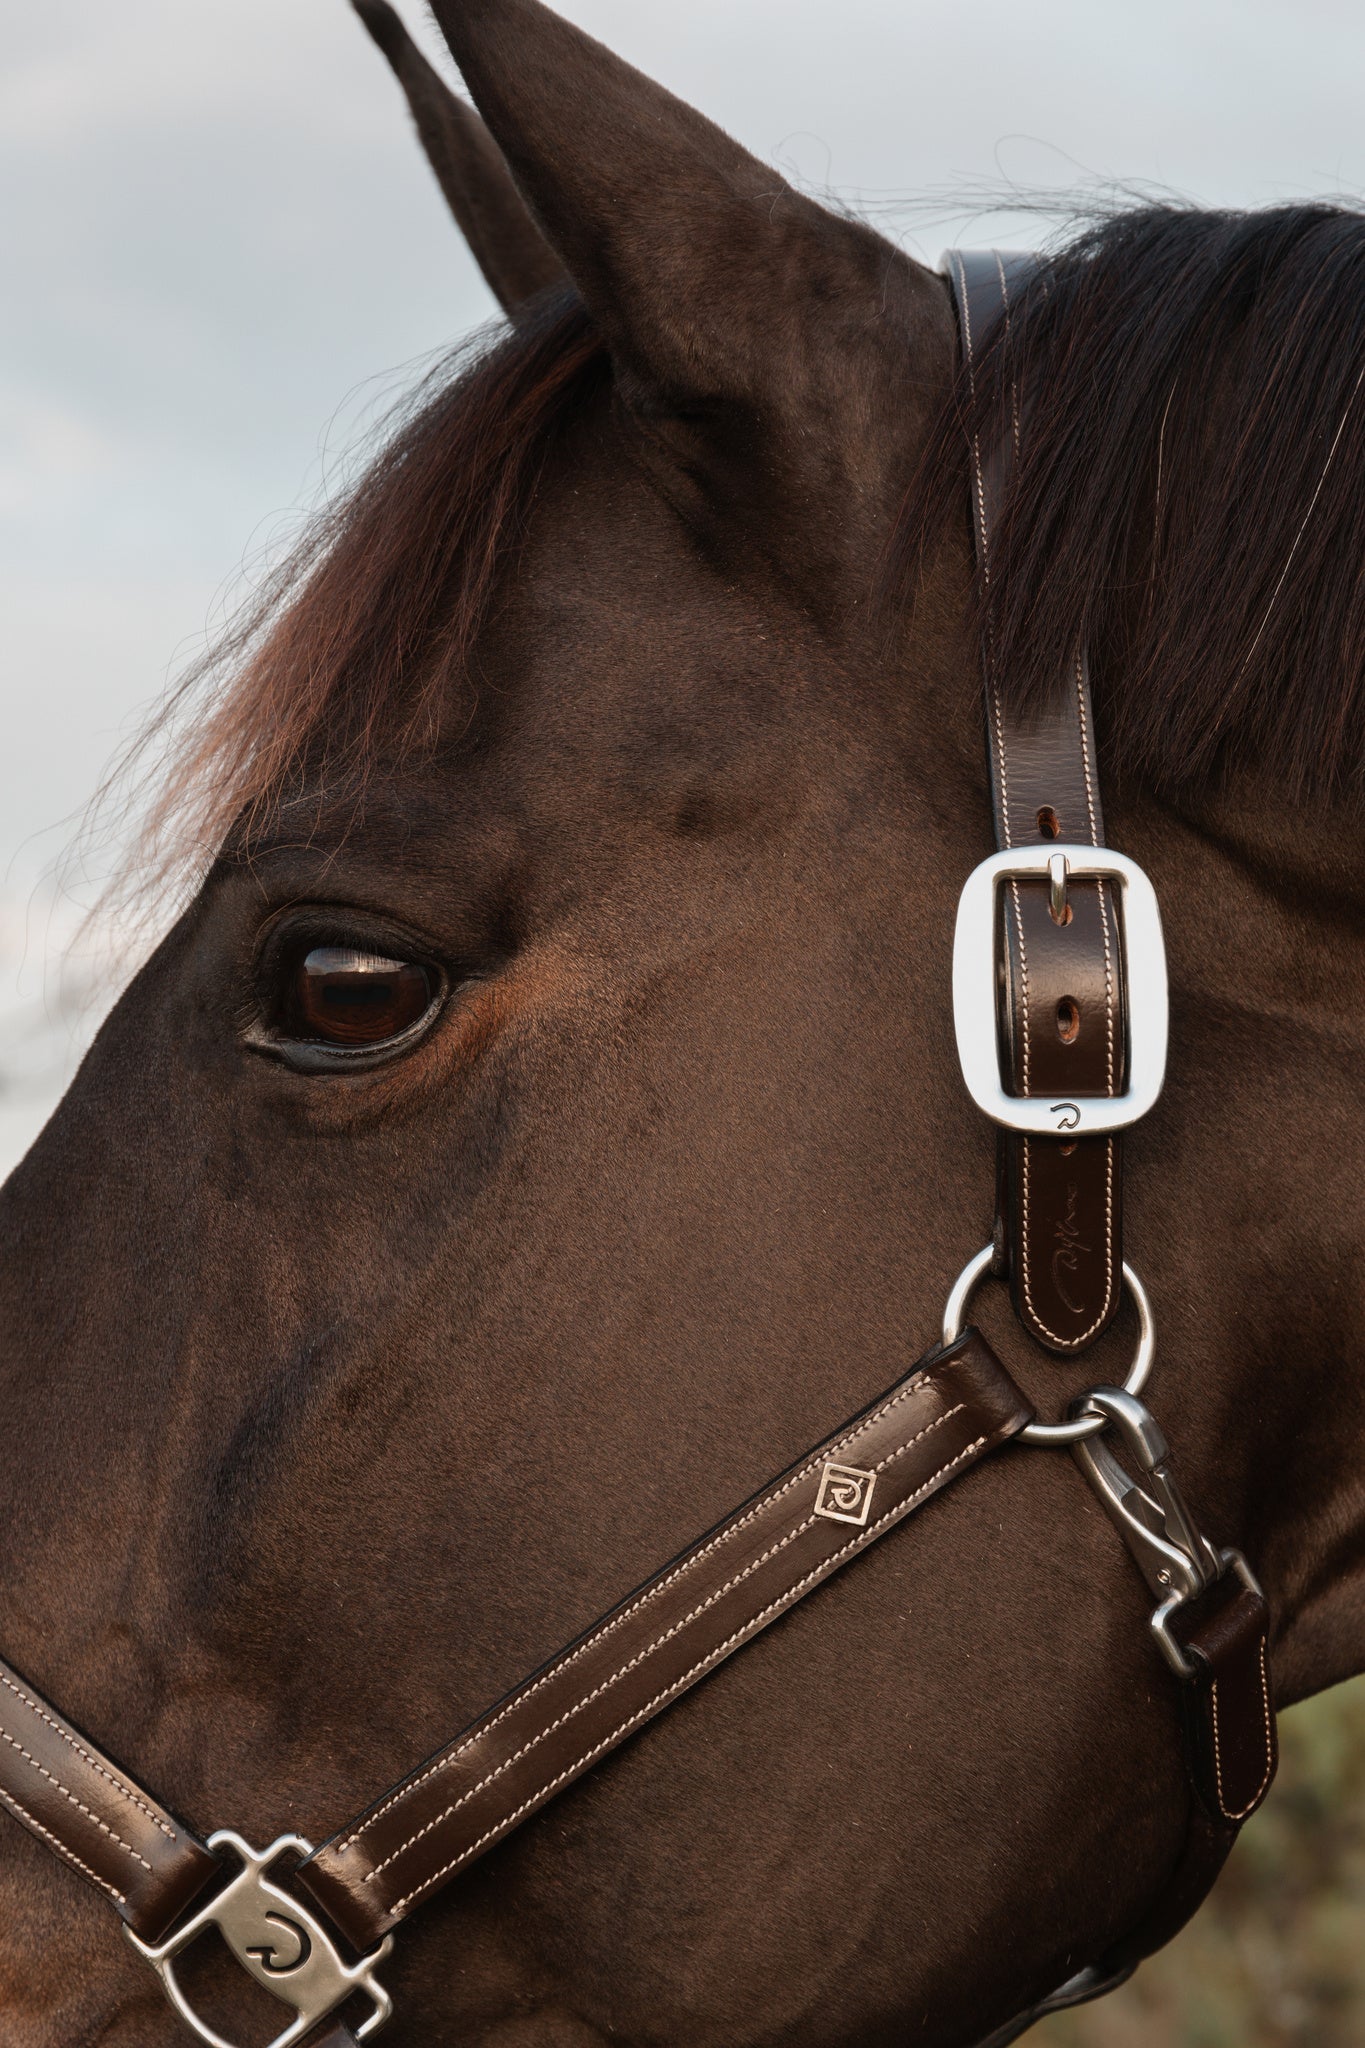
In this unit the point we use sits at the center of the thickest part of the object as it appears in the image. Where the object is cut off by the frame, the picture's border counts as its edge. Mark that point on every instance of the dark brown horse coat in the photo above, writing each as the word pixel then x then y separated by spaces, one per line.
pixel 336 1400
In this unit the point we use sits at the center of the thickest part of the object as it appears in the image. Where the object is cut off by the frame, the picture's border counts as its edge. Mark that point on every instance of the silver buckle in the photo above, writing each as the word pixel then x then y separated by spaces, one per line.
pixel 278 1942
pixel 975 958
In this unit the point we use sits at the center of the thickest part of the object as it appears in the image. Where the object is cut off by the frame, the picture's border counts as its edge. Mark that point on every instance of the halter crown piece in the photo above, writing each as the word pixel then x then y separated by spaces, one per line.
pixel 1059 993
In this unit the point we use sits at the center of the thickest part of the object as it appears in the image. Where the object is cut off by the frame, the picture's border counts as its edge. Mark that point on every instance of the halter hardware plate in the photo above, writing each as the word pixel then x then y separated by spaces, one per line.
pixel 261 1923
pixel 976 954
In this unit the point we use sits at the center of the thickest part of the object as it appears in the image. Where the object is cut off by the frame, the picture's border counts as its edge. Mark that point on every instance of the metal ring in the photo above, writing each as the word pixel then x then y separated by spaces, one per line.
pixel 955 1314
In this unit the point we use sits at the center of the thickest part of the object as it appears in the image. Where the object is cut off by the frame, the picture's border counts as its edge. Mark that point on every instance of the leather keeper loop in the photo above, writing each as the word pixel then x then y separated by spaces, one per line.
pixel 1231 1746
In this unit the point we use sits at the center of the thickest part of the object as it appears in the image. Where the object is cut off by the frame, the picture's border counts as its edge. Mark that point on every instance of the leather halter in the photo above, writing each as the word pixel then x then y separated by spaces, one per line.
pixel 1070 1054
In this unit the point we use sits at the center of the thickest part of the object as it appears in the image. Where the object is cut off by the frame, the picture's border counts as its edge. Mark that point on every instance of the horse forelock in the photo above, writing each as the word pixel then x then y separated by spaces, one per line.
pixel 352 650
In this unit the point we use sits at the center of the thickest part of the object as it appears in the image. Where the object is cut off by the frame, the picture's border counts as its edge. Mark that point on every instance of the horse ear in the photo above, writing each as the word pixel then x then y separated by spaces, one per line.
pixel 740 315
pixel 507 245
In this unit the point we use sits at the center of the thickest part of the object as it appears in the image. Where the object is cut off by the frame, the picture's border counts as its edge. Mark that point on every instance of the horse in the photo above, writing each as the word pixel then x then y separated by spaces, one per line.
pixel 542 1119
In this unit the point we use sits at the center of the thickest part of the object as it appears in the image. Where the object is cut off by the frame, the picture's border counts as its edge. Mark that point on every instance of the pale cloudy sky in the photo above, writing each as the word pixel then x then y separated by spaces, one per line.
pixel 220 248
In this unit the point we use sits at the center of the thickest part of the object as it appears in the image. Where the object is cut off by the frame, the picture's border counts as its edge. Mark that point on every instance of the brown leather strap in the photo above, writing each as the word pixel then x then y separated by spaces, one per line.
pixel 1059 1201
pixel 91 1813
pixel 1229 1711
pixel 956 1406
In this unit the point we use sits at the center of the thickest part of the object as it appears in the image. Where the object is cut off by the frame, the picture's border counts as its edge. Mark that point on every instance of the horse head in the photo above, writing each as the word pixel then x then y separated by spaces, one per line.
pixel 544 1121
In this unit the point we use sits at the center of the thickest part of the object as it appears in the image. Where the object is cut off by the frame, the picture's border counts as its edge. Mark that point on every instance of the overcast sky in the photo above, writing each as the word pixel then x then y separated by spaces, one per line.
pixel 220 247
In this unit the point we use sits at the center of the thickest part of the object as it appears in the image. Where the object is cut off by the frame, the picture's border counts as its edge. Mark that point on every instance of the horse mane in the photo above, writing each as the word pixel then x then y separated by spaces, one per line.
pixel 1189 492
pixel 346 653
pixel 1186 503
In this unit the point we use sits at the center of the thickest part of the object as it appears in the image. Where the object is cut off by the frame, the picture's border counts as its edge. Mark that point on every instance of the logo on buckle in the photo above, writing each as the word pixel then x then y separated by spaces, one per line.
pixel 278 1941
pixel 845 1495
pixel 267 1954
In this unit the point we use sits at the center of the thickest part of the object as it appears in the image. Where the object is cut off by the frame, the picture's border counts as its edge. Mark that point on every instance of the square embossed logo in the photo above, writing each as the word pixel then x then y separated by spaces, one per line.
pixel 845 1495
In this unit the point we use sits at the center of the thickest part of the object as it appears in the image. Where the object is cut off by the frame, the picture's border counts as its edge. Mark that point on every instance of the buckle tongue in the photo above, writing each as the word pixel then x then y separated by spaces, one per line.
pixel 278 1942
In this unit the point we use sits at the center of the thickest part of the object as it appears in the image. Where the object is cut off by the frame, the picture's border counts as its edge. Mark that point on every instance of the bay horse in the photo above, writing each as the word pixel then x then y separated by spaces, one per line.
pixel 543 1120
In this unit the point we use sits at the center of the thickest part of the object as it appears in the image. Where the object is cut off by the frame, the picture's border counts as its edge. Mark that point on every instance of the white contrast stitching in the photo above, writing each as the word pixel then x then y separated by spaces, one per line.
pixel 22 1812
pixel 1023 975
pixel 714 1656
pixel 983 535
pixel 642 1656
pixel 1108 990
pixel 86 1758
pixel 999 725
pixel 1111 1018
pixel 79 1804
pixel 984 549
pixel 976 442
pixel 650 1592
pixel 1083 710
pixel 1014 389
pixel 994 678
pixel 1243 1811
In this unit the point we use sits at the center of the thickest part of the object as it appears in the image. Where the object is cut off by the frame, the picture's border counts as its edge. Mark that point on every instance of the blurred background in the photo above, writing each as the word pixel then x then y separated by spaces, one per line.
pixel 223 256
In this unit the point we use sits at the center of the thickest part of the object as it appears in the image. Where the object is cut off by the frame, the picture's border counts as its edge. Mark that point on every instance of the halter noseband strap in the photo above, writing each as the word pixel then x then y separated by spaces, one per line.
pixel 954 1408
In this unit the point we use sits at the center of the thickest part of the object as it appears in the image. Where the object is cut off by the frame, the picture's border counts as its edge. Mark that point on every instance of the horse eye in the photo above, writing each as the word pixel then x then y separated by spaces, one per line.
pixel 341 996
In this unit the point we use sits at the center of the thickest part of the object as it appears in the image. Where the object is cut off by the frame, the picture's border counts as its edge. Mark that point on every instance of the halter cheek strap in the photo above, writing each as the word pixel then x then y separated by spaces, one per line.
pixel 1059 1207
